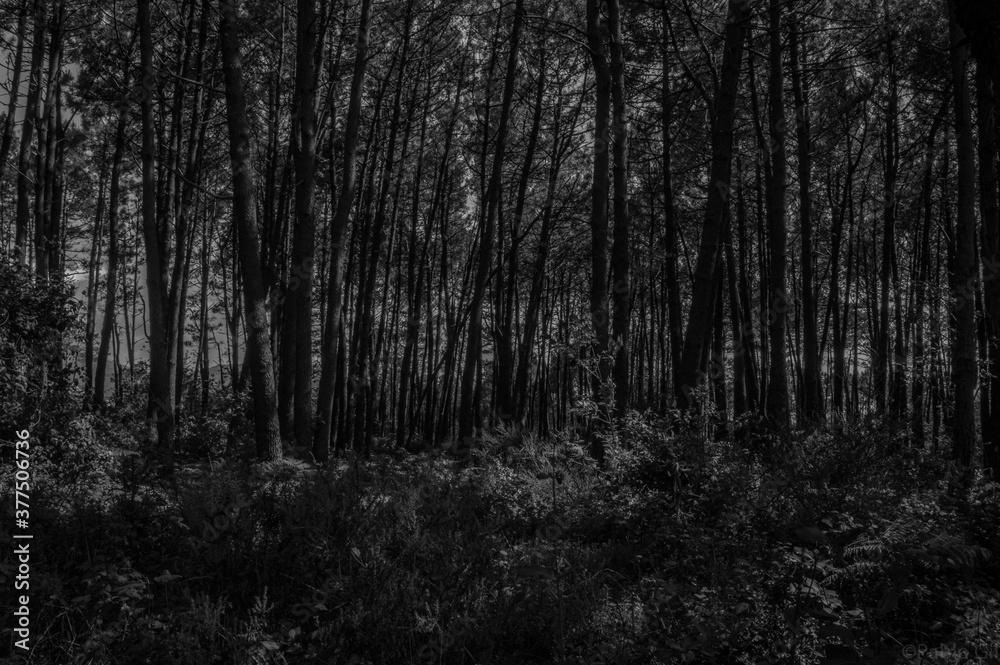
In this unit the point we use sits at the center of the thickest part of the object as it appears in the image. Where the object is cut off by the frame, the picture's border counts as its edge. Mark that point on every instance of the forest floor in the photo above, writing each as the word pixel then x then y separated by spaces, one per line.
pixel 841 547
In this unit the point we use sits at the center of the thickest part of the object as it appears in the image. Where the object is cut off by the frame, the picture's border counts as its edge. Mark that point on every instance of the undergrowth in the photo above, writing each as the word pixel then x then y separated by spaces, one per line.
pixel 840 546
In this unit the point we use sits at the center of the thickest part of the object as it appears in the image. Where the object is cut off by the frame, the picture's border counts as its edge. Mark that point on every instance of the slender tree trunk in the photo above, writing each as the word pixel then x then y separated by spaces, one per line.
pixel 365 360
pixel 506 394
pixel 920 364
pixel 15 85
pixel 670 239
pixel 229 321
pixel 416 273
pixel 129 289
pixel 620 248
pixel 94 274
pixel 776 404
pixel 946 247
pixel 749 355
pixel 963 312
pixel 473 355
pixel 897 385
pixel 45 241
pixel 740 350
pixel 812 382
pixel 244 213
pixel 271 230
pixel 159 411
pixel 23 218
pixel 723 116
pixel 179 195
pixel 333 343
pixel 303 243
pixel 986 101
pixel 717 361
pixel 171 218
pixel 838 306
pixel 599 223
pixel 538 272
pixel 203 318
pixel 185 276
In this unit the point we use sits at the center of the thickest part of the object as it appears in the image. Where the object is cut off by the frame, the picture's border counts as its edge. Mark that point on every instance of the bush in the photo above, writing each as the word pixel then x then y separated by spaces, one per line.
pixel 39 390
pixel 771 548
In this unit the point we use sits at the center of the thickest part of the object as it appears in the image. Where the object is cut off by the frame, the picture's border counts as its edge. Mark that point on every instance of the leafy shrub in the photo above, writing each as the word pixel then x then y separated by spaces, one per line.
pixel 775 547
pixel 38 388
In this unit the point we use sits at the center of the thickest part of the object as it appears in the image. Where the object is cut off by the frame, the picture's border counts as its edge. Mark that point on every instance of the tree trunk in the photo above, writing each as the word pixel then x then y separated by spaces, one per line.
pixel 717 361
pixel 890 270
pixel 741 352
pixel 503 338
pixel 203 320
pixel 244 214
pixel 94 273
pixel 986 101
pixel 699 322
pixel 45 240
pixel 332 342
pixel 159 411
pixel 670 239
pixel 15 85
pixel 838 306
pixel 184 281
pixel 776 402
pixel 620 250
pixel 752 384
pixel 920 364
pixel 473 355
pixel 812 382
pixel 531 312
pixel 417 273
pixel 303 243
pixel 365 360
pixel 599 222
pixel 23 217
pixel 963 312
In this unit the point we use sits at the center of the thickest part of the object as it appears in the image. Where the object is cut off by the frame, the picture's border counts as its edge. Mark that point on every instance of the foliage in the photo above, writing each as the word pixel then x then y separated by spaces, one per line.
pixel 684 550
pixel 37 384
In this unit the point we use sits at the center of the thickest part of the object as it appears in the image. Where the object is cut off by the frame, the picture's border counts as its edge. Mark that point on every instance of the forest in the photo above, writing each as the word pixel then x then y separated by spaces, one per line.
pixel 587 332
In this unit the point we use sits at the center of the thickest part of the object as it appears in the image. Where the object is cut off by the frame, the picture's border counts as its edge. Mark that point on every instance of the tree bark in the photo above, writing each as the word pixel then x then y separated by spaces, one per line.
pixel 159 410
pixel 599 224
pixel 203 320
pixel 332 343
pixel 94 273
pixel 699 325
pixel 741 351
pixel 303 243
pixel 776 402
pixel 964 369
pixel 473 355
pixel 506 293
pixel 244 216
pixel 670 239
pixel 986 102
pixel 15 85
pixel 749 346
pixel 365 358
pixel 620 248
pixel 812 382
pixel 538 271
pixel 45 168
pixel 23 216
